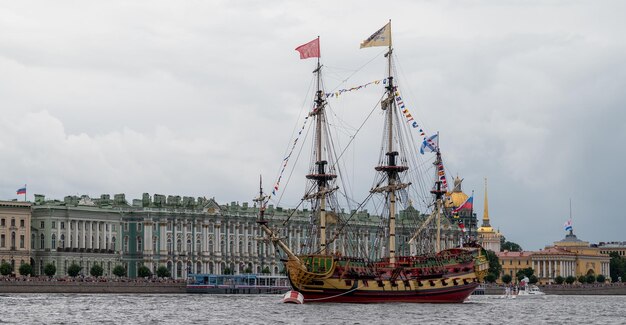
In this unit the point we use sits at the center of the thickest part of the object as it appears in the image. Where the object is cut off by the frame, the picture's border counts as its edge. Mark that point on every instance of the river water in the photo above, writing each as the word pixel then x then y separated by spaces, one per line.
pixel 267 309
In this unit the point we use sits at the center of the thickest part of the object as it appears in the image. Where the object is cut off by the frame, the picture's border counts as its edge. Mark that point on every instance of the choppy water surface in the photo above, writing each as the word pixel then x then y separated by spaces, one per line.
pixel 267 309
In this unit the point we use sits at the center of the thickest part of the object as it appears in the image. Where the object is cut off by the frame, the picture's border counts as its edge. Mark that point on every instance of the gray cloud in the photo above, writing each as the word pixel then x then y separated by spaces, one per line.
pixel 200 98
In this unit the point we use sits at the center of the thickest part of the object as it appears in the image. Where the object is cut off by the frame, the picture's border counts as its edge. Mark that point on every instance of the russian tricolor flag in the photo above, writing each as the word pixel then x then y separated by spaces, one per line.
pixel 468 204
pixel 21 190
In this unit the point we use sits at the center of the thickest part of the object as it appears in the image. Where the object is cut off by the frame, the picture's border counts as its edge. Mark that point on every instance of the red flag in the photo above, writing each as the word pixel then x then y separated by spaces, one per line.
pixel 310 49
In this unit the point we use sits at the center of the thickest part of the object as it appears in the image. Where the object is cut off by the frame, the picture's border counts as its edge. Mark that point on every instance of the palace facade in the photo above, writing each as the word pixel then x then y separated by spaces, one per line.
pixel 194 235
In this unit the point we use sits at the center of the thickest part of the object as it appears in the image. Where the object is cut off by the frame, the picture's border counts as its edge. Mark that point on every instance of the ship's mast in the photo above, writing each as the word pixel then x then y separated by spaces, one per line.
pixel 438 191
pixel 319 175
pixel 391 169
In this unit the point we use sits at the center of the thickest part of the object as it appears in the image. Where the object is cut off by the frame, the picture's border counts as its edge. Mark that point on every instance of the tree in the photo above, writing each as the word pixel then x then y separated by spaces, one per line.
pixel 507 279
pixel 533 279
pixel 119 271
pixel 73 269
pixel 266 270
pixel 600 278
pixel 559 279
pixel 143 272
pixel 248 270
pixel 163 272
pixel 582 279
pixel 511 247
pixel 228 271
pixel 26 269
pixel 590 278
pixel 49 269
pixel 527 272
pixel 494 264
pixel 617 267
pixel 570 279
pixel 96 270
pixel 490 278
pixel 5 268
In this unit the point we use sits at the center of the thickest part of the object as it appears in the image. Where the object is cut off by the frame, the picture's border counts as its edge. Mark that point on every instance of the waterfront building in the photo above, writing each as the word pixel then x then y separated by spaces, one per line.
pixel 197 235
pixel 76 230
pixel 15 220
pixel 567 257
pixel 488 237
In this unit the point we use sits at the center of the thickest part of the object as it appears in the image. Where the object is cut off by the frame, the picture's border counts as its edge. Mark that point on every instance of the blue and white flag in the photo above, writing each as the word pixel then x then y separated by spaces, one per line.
pixel 568 225
pixel 430 144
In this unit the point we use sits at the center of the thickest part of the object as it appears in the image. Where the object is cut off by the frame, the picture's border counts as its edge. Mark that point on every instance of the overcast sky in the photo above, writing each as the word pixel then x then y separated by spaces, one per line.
pixel 198 98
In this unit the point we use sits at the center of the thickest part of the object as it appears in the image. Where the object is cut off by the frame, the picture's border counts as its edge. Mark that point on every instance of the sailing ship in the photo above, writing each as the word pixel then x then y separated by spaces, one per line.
pixel 356 275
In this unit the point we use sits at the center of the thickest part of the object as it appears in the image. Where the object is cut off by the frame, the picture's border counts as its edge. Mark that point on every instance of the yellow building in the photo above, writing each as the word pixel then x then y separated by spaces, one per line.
pixel 15 233
pixel 513 262
pixel 488 238
pixel 567 257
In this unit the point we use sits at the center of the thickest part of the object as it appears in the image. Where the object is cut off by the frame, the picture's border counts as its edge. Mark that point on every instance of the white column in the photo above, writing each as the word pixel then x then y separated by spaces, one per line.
pixel 147 230
pixel 163 237
pixel 90 235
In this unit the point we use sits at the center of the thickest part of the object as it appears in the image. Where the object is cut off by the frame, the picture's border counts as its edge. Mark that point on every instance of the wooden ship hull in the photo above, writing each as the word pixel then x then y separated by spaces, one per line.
pixel 447 277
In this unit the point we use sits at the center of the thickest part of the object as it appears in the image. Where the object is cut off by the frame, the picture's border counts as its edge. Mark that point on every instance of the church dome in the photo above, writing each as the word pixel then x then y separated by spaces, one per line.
pixel 456 197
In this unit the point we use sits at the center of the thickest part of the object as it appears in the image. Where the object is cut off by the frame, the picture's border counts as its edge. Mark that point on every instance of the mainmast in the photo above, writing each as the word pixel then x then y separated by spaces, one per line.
pixel 319 174
pixel 391 169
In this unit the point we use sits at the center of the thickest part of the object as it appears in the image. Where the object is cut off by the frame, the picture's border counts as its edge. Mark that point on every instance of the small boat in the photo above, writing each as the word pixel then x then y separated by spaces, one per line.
pixel 237 284
pixel 528 290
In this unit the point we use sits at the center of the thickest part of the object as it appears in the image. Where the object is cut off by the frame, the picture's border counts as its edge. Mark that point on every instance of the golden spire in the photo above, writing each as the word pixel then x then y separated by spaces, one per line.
pixel 486 212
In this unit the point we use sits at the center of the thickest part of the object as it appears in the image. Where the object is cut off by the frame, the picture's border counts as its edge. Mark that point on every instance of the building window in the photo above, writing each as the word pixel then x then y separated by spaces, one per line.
pixel 106 227
pixel 78 226
pixel 154 244
pixel 42 242
pixel 138 226
pixel 12 222
pixel 126 244
pixel 21 223
pixel 179 245
pixel 198 245
pixel 32 241
pixel 62 240
pixel 112 227
pixel 12 239
pixel 42 225
pixel 139 244
pixel 189 227
pixel 53 241
pixel 113 243
pixel 189 245
pixel 2 240
pixel 519 262
pixel 169 246
pixel 62 225
pixel 54 225
pixel 21 241
pixel 2 222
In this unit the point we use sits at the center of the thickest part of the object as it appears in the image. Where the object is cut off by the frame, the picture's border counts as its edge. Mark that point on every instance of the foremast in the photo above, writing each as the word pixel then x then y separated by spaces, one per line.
pixel 390 168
